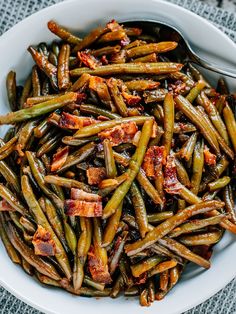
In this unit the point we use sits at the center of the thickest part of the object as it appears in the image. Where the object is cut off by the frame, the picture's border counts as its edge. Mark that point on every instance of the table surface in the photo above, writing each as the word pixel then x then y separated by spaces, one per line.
pixel 222 13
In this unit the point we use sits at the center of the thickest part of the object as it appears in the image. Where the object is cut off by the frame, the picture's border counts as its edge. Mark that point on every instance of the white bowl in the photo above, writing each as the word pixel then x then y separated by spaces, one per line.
pixel 196 285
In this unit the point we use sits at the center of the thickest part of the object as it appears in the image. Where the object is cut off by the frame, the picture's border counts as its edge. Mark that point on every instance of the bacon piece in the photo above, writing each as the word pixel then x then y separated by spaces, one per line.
pixel 123 133
pixel 131 100
pixel 6 207
pixel 113 25
pixel 77 194
pixel 59 158
pixel 209 158
pixel 98 270
pixel 154 158
pixel 171 183
pixel 88 60
pixel 82 208
pixel 104 60
pixel 154 130
pixel 43 242
pixel 95 175
pixel 73 122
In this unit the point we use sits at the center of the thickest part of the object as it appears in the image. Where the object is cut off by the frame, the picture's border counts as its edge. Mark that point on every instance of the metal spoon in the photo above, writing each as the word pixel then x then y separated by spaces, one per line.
pixel 184 52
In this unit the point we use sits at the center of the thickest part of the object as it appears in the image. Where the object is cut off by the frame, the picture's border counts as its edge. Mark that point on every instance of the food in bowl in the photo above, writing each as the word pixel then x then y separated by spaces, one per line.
pixel 118 169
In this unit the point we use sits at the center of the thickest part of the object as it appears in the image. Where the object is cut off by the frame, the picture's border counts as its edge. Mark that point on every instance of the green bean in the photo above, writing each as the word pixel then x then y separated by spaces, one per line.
pixel 39 109
pixel 164 280
pixel 165 227
pixel 49 145
pixel 230 124
pixel 195 91
pixel 27 225
pixel 183 77
pixel 197 75
pixel 11 90
pixel 186 150
pixel 132 171
pixel 221 141
pixel 215 117
pixel 117 287
pixel 63 33
pixel 145 59
pixel 117 97
pixel 111 170
pixel 219 183
pixel 183 251
pixel 130 68
pixel 208 238
pixel 141 85
pixel 35 82
pixel 151 48
pixel 131 292
pixel 108 50
pixel 47 280
pixel 10 176
pixel 182 173
pixel 42 128
pixel 140 209
pixel 97 111
pixel 155 95
pixel 143 298
pixel 12 253
pixel 25 134
pixel 100 126
pixel 143 266
pixel 27 267
pixel 90 38
pixel 96 285
pixel 158 217
pixel 114 262
pixel 169 115
pixel 198 163
pixel 185 106
pixel 7 195
pixel 222 87
pixel 115 35
pixel 26 91
pixel 78 156
pixel 48 68
pixel 162 267
pixel 220 103
pixel 68 183
pixel 83 246
pixel 63 67
pixel 70 236
pixel 28 254
pixel 194 225
pixel 70 140
pixel 42 220
pixel 31 101
pixel 229 202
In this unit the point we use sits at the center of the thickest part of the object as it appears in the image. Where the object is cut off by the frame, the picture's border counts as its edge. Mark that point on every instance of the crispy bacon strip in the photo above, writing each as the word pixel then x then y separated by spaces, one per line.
pixel 98 270
pixel 43 242
pixel 77 194
pixel 95 175
pixel 88 60
pixel 82 208
pixel 154 158
pixel 171 183
pixel 209 158
pixel 123 133
pixel 6 207
pixel 59 158
pixel 73 122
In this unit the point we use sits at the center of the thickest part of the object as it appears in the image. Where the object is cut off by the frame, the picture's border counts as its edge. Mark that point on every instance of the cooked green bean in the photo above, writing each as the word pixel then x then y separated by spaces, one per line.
pixel 208 238
pixel 63 67
pixel 130 68
pixel 219 184
pixel 11 90
pixel 195 91
pixel 63 33
pixel 39 109
pixel 143 266
pixel 168 122
pixel 230 124
pixel 165 227
pixel 229 202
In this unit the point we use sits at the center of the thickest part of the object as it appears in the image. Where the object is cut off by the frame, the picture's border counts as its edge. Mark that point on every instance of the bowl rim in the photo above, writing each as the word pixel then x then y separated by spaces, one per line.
pixel 20 295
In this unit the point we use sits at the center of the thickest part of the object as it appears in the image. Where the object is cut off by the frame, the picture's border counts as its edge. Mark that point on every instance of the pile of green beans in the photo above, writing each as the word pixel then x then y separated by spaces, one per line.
pixel 122 157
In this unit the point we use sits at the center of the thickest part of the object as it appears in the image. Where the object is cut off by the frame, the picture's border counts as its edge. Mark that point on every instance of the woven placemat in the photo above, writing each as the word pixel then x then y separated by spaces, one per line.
pixel 11 12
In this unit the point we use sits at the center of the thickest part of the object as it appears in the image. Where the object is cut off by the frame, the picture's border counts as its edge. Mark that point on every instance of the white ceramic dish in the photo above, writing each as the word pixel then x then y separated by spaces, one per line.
pixel 196 285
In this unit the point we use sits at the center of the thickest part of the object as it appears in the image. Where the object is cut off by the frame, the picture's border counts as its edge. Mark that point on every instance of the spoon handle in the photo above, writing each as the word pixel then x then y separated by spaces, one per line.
pixel 212 66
